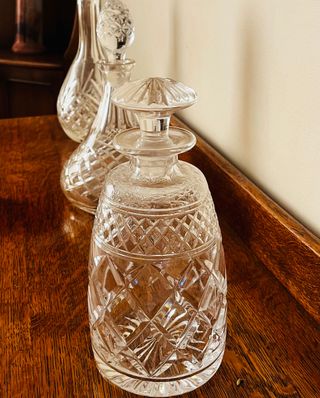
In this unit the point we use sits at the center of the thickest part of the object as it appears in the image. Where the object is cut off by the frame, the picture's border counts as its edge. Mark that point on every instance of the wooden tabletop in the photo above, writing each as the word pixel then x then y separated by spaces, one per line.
pixel 272 344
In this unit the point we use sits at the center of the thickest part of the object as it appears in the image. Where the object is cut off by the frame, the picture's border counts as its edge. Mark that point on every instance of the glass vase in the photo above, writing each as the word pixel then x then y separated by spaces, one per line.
pixel 157 277
pixel 81 92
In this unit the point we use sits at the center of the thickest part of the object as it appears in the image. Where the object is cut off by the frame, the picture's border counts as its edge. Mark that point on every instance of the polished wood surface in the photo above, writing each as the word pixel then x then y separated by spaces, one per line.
pixel 273 342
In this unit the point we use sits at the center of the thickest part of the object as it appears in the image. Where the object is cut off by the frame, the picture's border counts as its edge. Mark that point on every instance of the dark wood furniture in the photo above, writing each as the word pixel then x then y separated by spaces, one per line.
pixel 29 85
pixel 273 280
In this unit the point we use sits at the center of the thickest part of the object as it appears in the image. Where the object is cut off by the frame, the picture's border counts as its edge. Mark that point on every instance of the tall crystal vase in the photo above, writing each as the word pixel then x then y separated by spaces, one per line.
pixel 81 92
pixel 157 276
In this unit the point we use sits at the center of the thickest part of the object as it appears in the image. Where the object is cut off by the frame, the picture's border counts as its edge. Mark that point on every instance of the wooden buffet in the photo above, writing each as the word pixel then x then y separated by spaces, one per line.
pixel 273 280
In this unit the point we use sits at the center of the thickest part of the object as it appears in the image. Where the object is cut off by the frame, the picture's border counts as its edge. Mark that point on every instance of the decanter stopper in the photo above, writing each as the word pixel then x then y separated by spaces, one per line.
pixel 154 100
pixel 115 29
pixel 155 94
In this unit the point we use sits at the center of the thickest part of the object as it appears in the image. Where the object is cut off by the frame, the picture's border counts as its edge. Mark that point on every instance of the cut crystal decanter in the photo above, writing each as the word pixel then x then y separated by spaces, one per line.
pixel 157 277
pixel 81 92
pixel 84 173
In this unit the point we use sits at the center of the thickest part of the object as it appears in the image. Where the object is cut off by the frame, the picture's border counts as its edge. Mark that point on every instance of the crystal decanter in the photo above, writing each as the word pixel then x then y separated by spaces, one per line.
pixel 84 173
pixel 82 89
pixel 157 277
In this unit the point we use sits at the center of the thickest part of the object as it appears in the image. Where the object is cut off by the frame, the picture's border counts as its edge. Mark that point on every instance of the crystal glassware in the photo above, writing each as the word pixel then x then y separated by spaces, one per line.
pixel 84 173
pixel 157 277
pixel 82 89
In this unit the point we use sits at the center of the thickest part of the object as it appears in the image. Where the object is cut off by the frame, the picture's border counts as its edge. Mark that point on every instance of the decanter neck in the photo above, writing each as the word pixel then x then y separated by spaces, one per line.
pixel 116 73
pixel 154 135
pixel 89 46
pixel 154 169
pixel 154 132
pixel 154 125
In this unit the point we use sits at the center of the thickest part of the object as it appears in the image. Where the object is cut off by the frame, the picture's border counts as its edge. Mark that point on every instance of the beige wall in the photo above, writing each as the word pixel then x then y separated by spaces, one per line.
pixel 256 67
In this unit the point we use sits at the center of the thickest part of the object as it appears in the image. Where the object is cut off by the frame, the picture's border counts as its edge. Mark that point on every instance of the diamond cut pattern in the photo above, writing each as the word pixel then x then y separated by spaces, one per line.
pixel 150 289
pixel 108 281
pixel 174 318
pixel 79 102
pixel 84 173
pixel 155 235
pixel 193 282
pixel 152 348
pixel 199 340
pixel 127 316
pixel 110 341
pixel 164 317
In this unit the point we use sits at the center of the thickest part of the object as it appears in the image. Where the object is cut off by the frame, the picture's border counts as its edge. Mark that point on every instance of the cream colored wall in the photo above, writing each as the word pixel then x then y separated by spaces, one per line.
pixel 256 67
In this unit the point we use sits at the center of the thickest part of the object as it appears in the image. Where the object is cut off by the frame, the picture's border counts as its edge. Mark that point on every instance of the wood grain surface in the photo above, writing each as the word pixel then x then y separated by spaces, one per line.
pixel 273 342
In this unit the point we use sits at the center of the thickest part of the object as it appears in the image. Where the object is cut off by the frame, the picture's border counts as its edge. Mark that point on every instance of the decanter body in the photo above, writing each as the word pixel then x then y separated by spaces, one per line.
pixel 81 92
pixel 157 278
pixel 83 174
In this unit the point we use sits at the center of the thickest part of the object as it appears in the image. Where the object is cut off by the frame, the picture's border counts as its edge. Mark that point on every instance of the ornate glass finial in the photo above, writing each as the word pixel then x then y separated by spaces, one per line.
pixel 155 94
pixel 115 28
